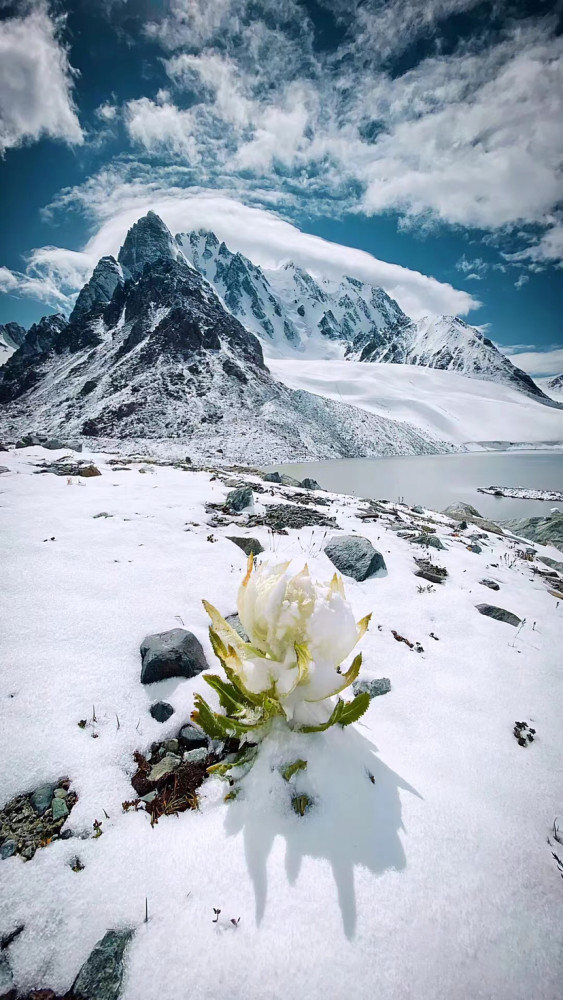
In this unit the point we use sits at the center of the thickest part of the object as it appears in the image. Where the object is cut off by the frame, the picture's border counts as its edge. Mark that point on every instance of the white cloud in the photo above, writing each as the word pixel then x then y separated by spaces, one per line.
pixel 474 269
pixel 521 280
pixel 537 362
pixel 265 238
pixel 162 127
pixel 35 82
pixel 53 275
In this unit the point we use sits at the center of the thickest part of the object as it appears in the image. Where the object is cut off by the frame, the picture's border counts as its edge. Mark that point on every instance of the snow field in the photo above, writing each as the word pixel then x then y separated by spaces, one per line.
pixel 435 882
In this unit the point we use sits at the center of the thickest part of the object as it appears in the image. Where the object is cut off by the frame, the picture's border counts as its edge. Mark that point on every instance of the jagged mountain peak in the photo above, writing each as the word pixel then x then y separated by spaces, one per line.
pixel 106 275
pixel 147 240
pixel 12 336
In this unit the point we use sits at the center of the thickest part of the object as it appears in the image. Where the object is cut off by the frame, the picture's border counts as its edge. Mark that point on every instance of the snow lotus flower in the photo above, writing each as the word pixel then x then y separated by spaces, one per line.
pixel 299 634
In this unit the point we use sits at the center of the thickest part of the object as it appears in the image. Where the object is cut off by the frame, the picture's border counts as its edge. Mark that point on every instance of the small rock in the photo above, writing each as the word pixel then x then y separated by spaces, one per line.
pixel 7 849
pixel 235 622
pixel 87 471
pixel 4 468
pixel 101 975
pixel 381 685
pixel 417 509
pixel 463 525
pixel 491 584
pixel 54 444
pixel 59 809
pixel 161 711
pixel 354 556
pixel 7 988
pixel 61 793
pixel 192 738
pixel 250 546
pixel 431 540
pixel 239 499
pixel 163 768
pixel 176 653
pixel 172 746
pixel 66 834
pixel 475 547
pixel 309 484
pixel 271 477
pixel 41 798
pixel 499 614
pixel 150 796
pixel 192 756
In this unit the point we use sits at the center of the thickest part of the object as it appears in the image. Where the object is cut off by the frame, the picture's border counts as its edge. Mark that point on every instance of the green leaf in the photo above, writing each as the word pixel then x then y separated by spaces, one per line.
pixel 334 718
pixel 207 719
pixel 230 697
pixel 289 770
pixel 353 710
pixel 249 696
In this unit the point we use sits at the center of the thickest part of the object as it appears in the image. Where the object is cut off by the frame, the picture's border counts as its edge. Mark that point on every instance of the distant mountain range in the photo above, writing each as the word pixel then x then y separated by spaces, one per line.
pixel 167 342
pixel 150 351
pixel 290 310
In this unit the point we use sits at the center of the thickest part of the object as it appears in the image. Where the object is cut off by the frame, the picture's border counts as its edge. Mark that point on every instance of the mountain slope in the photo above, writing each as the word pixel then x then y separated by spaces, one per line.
pixel 12 336
pixel 163 358
pixel 292 311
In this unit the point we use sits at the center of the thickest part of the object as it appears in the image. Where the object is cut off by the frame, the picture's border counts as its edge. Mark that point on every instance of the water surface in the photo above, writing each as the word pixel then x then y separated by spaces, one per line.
pixel 435 481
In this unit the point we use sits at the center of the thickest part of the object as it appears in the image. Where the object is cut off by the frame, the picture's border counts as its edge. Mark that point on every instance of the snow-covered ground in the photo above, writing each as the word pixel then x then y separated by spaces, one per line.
pixel 434 882
pixel 443 403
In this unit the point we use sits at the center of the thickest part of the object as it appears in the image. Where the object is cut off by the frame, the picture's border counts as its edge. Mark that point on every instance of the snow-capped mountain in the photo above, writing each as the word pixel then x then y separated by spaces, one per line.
pixel 11 337
pixel 150 351
pixel 555 384
pixel 290 310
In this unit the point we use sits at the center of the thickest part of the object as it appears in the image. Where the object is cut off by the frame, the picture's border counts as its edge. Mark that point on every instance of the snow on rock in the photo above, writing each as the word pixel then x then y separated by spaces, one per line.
pixel 12 336
pixel 424 867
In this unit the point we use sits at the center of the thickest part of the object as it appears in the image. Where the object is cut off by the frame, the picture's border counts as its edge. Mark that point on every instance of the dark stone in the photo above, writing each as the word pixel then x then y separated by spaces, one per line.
pixel 161 711
pixel 289 480
pixel 176 653
pixel 54 444
pixel 499 614
pixel 7 988
pixel 101 976
pixel 475 547
pixel 239 499
pixel 310 484
pixel 250 546
pixel 7 849
pixel 354 556
pixel 491 584
pixel 271 477
pixel 235 622
pixel 191 738
pixel 42 797
pixel 4 468
pixel 380 685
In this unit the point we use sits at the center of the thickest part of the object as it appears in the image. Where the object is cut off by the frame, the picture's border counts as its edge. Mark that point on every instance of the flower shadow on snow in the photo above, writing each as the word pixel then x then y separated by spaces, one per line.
pixel 354 820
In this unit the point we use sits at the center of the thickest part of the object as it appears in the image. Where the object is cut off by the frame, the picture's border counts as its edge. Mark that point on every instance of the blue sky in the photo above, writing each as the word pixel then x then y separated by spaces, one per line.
pixel 425 134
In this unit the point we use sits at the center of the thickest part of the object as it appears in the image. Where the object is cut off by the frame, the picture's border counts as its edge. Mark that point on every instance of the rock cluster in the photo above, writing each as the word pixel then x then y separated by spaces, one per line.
pixel 32 821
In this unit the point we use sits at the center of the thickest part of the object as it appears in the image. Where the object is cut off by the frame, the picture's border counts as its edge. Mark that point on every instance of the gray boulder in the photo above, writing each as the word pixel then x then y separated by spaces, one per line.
pixel 380 685
pixel 491 584
pixel 271 477
pixel 250 546
pixel 176 653
pixel 309 484
pixel 239 499
pixel 354 556
pixel 4 468
pixel 547 530
pixel 55 444
pixel 431 540
pixel 101 975
pixel 42 797
pixel 461 511
pixel 161 711
pixel 499 614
